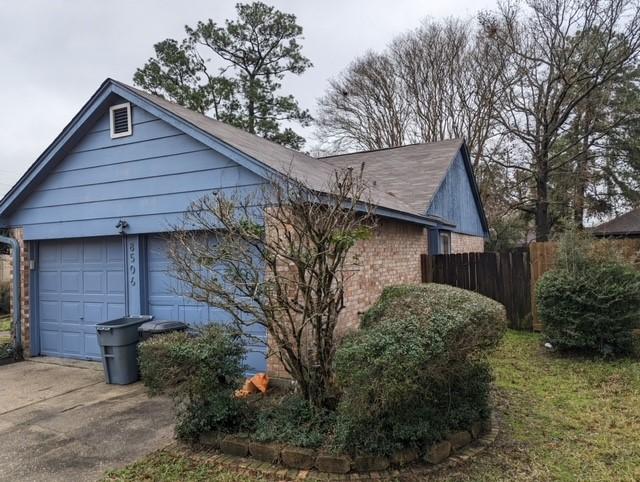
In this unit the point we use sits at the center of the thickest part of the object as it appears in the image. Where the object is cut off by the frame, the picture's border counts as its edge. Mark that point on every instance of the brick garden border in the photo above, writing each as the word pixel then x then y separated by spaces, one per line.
pixel 238 454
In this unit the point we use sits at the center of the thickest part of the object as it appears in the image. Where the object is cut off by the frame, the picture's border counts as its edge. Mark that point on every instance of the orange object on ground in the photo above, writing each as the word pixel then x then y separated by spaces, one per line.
pixel 261 381
pixel 257 383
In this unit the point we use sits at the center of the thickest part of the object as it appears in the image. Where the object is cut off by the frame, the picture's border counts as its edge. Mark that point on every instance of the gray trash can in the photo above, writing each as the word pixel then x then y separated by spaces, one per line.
pixel 158 327
pixel 118 340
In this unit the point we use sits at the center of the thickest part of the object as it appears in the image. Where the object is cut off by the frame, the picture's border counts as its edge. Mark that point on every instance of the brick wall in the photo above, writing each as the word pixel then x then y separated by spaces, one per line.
pixel 463 243
pixel 391 256
pixel 24 281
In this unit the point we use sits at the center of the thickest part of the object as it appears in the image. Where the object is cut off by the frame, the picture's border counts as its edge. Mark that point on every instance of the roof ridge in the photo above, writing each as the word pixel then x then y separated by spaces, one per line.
pixel 455 139
pixel 211 119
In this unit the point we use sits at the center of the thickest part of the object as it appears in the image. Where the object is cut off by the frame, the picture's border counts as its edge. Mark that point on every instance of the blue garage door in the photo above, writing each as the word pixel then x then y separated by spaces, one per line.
pixel 166 302
pixel 80 283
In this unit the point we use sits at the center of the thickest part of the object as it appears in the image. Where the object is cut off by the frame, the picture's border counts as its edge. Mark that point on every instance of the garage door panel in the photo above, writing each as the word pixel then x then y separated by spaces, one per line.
pixel 94 312
pixel 166 303
pixel 81 283
pixel 94 282
pixel 91 347
pixel 93 253
pixel 49 311
pixel 70 281
pixel 115 283
pixel 49 281
pixel 49 255
pixel 71 311
pixel 49 340
pixel 115 310
pixel 72 342
pixel 71 252
pixel 115 254
pixel 163 312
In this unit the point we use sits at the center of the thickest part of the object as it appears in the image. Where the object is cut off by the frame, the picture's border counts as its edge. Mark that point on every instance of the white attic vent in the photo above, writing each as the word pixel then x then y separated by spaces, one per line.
pixel 120 120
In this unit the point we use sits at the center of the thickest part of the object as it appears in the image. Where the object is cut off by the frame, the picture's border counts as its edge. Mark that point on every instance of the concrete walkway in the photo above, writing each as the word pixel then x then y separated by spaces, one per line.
pixel 59 421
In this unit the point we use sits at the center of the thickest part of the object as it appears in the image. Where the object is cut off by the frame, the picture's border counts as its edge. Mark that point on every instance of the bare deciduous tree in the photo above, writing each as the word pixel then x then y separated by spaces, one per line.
pixel 279 259
pixel 431 84
pixel 556 53
pixel 364 108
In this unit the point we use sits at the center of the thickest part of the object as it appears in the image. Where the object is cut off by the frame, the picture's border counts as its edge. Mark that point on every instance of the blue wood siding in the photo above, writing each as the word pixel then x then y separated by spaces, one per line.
pixel 455 202
pixel 148 178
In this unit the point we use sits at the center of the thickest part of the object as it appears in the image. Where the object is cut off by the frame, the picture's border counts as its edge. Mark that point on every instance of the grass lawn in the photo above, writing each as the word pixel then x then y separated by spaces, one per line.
pixel 562 419
pixel 5 322
pixel 5 341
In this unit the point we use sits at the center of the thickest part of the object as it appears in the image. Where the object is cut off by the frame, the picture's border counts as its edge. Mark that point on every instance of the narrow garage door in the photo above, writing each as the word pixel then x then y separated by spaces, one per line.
pixel 166 303
pixel 80 283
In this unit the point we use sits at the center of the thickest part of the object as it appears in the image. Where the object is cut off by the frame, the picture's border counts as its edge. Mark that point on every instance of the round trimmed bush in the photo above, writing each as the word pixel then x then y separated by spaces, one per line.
pixel 592 306
pixel 416 370
pixel 201 374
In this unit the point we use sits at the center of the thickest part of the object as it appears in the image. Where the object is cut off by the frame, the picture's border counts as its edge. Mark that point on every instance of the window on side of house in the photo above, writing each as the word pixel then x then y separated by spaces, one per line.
pixel 445 243
pixel 120 120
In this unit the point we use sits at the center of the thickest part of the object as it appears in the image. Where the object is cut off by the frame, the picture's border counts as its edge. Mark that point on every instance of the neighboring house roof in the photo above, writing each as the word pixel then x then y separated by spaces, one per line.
pixel 412 173
pixel 257 154
pixel 625 225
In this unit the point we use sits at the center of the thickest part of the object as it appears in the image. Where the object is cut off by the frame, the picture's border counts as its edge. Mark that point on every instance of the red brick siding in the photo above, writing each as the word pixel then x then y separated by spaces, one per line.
pixel 391 256
pixel 463 243
pixel 24 282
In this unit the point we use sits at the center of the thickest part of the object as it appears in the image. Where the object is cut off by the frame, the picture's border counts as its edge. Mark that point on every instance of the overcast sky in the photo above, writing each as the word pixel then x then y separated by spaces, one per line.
pixel 55 53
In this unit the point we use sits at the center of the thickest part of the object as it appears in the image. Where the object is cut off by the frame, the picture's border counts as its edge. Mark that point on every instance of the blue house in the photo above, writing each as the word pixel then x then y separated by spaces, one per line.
pixel 93 210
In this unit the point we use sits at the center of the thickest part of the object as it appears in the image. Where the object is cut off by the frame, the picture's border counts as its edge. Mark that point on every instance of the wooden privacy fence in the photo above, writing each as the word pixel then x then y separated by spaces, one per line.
pixel 510 277
pixel 504 277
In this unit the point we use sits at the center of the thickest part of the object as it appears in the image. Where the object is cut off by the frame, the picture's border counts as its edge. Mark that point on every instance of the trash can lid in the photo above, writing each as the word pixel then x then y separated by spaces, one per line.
pixel 122 322
pixel 161 326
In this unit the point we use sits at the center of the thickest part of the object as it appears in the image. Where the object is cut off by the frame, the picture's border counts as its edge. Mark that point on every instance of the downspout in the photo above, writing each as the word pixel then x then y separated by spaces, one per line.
pixel 15 250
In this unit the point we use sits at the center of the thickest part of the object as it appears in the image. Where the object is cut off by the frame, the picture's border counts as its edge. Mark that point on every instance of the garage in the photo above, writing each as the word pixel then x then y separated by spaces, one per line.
pixel 80 283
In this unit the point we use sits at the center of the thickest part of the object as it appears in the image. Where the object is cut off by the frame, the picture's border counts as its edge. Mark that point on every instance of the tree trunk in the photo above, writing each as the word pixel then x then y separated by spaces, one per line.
pixel 582 166
pixel 542 212
pixel 251 108
pixel 542 197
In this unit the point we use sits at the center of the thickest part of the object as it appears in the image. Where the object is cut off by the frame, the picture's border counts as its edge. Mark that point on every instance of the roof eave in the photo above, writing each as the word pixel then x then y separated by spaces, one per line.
pixel 406 217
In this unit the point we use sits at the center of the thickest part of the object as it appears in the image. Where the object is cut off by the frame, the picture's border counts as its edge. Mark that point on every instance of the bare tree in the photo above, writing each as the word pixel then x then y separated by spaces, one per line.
pixel 554 54
pixel 364 107
pixel 431 84
pixel 279 259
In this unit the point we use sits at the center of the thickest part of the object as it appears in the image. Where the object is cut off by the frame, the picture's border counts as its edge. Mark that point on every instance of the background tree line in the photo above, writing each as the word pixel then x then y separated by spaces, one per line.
pixel 545 92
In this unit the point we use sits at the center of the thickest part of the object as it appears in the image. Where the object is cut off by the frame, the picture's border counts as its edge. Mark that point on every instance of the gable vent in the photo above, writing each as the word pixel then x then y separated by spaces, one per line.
pixel 120 116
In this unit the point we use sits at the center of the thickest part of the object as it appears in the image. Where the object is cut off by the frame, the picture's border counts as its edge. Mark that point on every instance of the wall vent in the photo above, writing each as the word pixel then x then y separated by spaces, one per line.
pixel 120 116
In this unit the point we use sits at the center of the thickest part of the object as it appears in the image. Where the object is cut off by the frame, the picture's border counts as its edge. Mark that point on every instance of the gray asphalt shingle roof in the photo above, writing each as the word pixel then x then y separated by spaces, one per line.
pixel 412 173
pixel 626 224
pixel 315 172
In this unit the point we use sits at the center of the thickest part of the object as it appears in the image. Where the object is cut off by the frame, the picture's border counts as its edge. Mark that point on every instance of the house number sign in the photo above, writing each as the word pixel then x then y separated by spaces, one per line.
pixel 132 263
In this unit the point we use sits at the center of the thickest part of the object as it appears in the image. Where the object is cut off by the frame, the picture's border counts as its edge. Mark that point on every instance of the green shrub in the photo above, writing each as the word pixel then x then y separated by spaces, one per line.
pixel 593 306
pixel 293 420
pixel 416 370
pixel 201 374
pixel 460 323
pixel 5 298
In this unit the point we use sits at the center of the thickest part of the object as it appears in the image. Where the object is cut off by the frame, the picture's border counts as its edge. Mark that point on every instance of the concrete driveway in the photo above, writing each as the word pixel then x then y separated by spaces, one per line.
pixel 59 421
